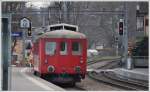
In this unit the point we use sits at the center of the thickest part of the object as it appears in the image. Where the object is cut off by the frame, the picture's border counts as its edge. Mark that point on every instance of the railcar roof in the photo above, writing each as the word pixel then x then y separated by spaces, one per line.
pixel 62 34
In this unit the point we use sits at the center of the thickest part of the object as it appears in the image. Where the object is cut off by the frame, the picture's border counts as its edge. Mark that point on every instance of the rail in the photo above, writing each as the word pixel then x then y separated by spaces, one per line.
pixel 109 77
pixel 96 59
pixel 114 81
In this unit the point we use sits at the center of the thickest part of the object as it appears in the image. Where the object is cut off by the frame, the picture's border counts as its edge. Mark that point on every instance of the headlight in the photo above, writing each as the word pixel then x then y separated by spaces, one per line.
pixel 78 69
pixel 51 68
pixel 46 61
pixel 81 61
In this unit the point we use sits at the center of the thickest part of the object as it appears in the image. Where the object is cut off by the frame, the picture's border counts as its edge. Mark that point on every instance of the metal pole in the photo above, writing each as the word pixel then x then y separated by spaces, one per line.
pixel 0 62
pixel 49 15
pixel 117 49
pixel 43 18
pixel 10 54
pixel 65 12
pixel 125 35
pixel 23 45
pixel 0 58
pixel 23 38
pixel 6 52
pixel 60 13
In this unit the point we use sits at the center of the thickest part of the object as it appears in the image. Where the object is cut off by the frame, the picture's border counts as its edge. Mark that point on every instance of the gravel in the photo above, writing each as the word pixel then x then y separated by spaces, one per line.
pixel 92 85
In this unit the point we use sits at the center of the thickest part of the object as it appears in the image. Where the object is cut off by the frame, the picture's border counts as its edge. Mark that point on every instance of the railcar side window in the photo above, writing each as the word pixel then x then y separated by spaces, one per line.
pixel 76 48
pixel 56 28
pixel 63 48
pixel 50 48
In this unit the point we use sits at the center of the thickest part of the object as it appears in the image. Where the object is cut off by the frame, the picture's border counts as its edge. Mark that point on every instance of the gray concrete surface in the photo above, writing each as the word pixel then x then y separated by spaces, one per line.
pixel 22 79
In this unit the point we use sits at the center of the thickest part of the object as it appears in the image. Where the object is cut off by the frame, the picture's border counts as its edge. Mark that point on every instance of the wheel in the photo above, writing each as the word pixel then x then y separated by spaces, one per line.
pixel 35 73
pixel 72 84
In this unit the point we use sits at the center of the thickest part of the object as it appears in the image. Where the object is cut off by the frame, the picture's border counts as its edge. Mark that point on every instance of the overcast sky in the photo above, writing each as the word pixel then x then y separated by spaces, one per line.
pixel 38 4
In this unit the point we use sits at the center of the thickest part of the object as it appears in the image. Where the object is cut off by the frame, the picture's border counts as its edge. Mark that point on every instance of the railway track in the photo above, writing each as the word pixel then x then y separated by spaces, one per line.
pixel 110 65
pixel 103 64
pixel 75 88
pixel 111 78
pixel 92 61
pixel 108 77
pixel 114 81
pixel 138 83
pixel 80 88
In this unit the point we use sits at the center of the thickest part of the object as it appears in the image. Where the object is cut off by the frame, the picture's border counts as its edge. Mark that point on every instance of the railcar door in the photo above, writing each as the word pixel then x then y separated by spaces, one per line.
pixel 50 55
pixel 71 55
pixel 78 55
pixel 63 55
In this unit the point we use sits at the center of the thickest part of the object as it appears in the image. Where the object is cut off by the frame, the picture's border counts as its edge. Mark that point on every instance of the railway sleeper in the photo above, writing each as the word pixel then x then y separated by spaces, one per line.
pixel 125 83
pixel 96 77
pixel 109 81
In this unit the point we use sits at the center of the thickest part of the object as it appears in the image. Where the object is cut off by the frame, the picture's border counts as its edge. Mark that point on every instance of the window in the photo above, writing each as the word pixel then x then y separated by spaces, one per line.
pixel 50 48
pixel 146 22
pixel 140 24
pixel 76 48
pixel 63 48
pixel 70 28
pixel 56 28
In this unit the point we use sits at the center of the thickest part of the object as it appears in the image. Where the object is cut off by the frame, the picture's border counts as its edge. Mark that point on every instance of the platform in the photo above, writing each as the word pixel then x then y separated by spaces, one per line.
pixel 22 79
pixel 136 73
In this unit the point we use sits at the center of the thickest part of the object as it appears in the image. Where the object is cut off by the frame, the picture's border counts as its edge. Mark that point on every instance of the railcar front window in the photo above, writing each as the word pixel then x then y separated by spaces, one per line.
pixel 50 48
pixel 76 48
pixel 70 28
pixel 63 48
pixel 56 28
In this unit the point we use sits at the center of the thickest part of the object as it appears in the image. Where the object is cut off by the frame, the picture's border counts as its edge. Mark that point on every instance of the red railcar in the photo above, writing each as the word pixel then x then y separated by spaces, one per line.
pixel 61 56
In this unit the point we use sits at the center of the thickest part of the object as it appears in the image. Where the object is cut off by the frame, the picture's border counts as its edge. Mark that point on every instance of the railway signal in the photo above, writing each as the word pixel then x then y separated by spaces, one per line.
pixel 121 27
pixel 29 33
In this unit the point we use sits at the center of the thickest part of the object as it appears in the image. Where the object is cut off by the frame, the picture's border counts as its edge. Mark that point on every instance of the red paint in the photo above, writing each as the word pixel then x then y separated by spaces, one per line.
pixel 62 63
